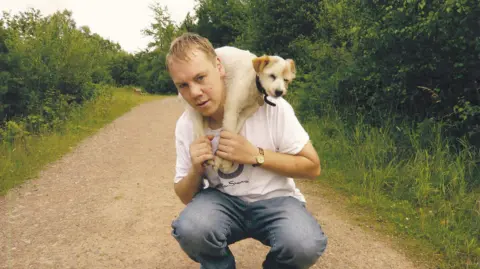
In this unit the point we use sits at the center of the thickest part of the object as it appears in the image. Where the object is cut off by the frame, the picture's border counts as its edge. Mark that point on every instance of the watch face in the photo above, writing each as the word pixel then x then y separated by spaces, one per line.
pixel 260 159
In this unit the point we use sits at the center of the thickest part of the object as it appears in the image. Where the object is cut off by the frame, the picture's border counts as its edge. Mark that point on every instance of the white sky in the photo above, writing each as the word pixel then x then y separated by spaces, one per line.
pixel 118 20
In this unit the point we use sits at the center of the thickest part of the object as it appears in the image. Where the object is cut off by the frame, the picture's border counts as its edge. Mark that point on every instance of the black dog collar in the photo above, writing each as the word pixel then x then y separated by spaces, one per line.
pixel 262 90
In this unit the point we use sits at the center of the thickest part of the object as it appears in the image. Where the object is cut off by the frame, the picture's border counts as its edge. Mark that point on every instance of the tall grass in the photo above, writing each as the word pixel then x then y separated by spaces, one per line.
pixel 24 155
pixel 410 177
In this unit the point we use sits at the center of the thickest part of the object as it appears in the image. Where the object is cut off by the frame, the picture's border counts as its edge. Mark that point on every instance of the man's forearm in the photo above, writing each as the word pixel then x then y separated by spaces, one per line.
pixel 298 166
pixel 188 186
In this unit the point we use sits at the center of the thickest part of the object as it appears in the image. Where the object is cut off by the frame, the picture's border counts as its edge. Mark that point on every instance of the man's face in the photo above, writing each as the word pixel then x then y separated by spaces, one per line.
pixel 200 82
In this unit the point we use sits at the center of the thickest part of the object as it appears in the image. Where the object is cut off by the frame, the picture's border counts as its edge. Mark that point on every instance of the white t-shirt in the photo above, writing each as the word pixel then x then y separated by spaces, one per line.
pixel 272 128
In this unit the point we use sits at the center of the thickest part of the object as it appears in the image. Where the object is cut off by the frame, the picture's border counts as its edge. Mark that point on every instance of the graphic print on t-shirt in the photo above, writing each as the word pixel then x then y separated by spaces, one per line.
pixel 234 174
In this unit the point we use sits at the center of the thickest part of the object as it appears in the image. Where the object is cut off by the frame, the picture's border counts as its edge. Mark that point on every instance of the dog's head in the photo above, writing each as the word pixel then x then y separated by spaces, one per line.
pixel 275 73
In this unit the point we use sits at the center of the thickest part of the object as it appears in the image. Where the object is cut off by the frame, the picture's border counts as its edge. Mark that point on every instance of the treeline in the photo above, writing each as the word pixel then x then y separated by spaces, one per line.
pixel 414 60
pixel 49 66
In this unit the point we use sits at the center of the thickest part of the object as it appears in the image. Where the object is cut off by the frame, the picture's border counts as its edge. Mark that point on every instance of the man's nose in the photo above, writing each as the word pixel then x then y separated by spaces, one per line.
pixel 196 90
pixel 278 92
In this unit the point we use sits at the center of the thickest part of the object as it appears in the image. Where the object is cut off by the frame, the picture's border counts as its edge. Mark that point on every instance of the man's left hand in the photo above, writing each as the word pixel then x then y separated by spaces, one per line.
pixel 236 148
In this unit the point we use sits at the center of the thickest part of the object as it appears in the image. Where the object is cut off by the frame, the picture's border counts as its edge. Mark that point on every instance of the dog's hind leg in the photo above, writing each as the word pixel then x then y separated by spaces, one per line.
pixel 199 124
pixel 230 119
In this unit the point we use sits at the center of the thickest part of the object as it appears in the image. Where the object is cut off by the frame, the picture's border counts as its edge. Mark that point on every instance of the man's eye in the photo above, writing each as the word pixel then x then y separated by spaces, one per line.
pixel 273 76
pixel 200 78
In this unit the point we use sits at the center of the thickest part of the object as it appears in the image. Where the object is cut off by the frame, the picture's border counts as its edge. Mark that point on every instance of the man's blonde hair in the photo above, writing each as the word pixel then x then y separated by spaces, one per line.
pixel 182 46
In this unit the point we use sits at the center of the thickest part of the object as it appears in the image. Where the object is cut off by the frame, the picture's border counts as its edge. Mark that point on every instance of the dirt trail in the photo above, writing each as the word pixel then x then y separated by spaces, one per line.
pixel 110 203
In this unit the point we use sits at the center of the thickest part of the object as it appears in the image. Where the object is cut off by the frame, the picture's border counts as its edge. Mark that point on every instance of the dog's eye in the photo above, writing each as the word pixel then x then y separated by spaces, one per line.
pixel 286 80
pixel 273 76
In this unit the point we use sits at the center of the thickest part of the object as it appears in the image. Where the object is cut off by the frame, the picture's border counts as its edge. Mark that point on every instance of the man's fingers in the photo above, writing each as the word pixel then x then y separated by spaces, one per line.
pixel 203 144
pixel 203 158
pixel 224 148
pixel 226 142
pixel 201 147
pixel 223 155
pixel 201 151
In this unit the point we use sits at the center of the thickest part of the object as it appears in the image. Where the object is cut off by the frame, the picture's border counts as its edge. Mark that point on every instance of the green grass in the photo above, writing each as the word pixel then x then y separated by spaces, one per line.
pixel 407 179
pixel 23 158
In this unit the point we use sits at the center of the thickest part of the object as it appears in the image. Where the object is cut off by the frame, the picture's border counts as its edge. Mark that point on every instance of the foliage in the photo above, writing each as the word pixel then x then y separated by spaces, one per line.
pixel 410 180
pixel 151 70
pixel 417 60
pixel 220 21
pixel 48 65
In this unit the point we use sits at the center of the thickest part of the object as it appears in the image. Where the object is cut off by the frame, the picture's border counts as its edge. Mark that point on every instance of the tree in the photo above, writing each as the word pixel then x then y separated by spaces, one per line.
pixel 220 21
pixel 162 30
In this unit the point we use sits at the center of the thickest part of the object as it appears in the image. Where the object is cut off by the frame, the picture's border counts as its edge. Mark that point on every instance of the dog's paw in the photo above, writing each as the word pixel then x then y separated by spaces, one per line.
pixel 227 167
pixel 217 162
pixel 209 162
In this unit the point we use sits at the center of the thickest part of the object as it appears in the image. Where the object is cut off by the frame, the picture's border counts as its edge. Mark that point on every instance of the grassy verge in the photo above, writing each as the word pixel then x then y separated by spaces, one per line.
pixel 408 182
pixel 23 158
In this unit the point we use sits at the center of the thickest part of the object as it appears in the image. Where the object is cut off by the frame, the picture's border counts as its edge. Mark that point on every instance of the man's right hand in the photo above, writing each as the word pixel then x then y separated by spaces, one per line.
pixel 200 152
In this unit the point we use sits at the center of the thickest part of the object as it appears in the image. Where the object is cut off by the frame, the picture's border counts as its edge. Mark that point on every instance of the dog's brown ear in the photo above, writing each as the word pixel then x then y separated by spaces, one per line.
pixel 292 66
pixel 260 62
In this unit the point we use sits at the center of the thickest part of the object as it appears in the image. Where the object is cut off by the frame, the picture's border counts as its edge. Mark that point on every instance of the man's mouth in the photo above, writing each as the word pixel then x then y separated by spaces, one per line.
pixel 202 103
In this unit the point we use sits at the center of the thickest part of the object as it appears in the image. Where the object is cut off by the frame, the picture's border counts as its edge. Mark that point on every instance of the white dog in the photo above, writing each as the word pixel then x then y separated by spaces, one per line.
pixel 249 80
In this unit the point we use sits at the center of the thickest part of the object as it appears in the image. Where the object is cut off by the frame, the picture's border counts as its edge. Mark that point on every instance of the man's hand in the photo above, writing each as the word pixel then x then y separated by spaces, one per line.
pixel 200 152
pixel 236 148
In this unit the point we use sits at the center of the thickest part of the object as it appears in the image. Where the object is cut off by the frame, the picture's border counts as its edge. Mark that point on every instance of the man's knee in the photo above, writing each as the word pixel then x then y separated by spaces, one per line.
pixel 198 234
pixel 301 252
pixel 308 251
pixel 201 228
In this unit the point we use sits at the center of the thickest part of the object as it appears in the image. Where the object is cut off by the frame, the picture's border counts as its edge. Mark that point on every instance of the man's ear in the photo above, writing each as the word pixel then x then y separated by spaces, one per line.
pixel 220 67
pixel 259 63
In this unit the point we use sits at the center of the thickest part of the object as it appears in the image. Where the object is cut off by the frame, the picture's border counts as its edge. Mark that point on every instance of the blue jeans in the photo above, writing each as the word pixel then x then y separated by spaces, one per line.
pixel 213 220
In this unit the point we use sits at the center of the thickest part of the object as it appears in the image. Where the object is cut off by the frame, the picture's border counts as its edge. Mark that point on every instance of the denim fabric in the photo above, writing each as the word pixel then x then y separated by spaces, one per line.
pixel 214 220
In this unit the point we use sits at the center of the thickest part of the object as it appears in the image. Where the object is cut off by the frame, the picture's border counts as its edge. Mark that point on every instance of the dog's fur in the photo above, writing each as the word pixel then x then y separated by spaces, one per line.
pixel 242 97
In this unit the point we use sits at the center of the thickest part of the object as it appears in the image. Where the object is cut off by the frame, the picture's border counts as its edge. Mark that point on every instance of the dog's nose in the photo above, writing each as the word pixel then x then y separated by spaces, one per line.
pixel 278 92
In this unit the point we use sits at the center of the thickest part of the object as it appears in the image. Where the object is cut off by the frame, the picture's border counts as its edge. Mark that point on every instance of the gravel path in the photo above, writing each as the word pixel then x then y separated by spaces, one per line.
pixel 110 202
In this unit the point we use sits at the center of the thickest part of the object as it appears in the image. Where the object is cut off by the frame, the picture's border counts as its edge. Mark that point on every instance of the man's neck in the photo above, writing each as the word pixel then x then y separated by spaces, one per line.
pixel 215 121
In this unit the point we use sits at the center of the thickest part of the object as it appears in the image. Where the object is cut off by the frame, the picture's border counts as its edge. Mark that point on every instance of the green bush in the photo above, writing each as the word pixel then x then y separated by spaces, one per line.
pixel 48 64
pixel 416 60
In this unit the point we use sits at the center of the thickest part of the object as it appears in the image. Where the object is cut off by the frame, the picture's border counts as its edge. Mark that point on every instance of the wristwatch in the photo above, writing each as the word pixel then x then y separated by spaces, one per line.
pixel 259 158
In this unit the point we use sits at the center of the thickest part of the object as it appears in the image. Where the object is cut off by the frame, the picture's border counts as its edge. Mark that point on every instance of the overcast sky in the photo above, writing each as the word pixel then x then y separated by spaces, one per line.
pixel 118 20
